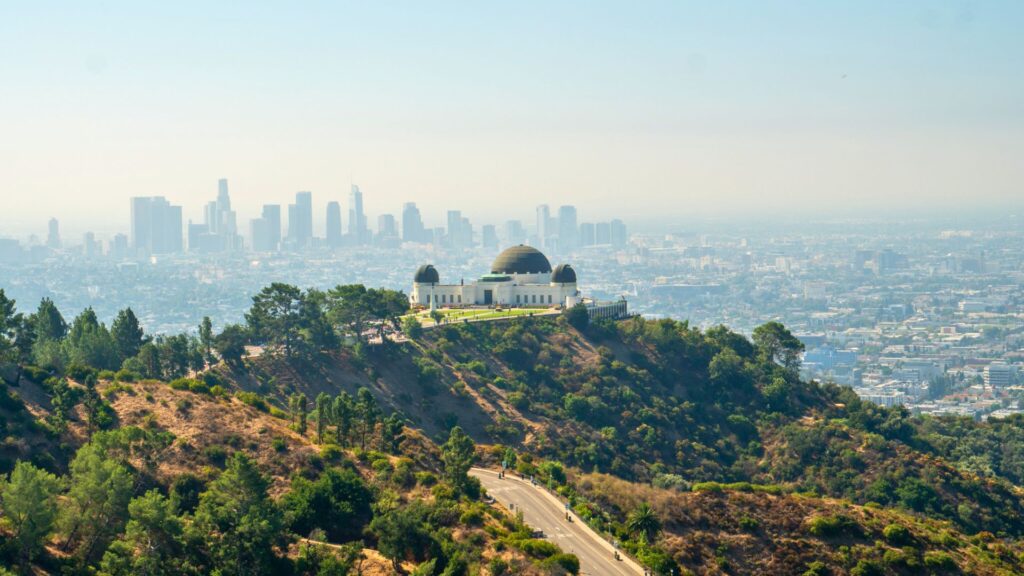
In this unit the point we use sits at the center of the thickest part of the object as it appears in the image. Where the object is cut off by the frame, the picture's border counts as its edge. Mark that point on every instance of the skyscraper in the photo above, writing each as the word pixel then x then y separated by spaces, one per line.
pixel 514 233
pixel 300 220
pixel 333 224
pixel 568 229
pixel 356 217
pixel 543 225
pixel 454 229
pixel 489 236
pixel 266 230
pixel 603 234
pixel 53 234
pixel 412 224
pixel 90 247
pixel 156 226
pixel 219 230
pixel 465 233
pixel 387 226
pixel 118 248
pixel 619 237
pixel 588 235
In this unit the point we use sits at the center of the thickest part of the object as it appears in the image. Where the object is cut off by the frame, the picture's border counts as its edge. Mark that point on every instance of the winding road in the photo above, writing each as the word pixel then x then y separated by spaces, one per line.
pixel 543 511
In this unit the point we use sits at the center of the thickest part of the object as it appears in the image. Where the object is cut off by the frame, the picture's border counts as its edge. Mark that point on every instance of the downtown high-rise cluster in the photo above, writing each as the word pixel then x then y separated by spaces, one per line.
pixel 157 228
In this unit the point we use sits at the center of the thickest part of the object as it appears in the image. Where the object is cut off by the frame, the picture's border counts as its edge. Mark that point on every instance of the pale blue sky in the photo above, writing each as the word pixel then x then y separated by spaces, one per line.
pixel 636 108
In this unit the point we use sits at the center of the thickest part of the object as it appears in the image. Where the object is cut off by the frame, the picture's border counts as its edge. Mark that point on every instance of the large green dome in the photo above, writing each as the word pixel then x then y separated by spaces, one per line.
pixel 521 260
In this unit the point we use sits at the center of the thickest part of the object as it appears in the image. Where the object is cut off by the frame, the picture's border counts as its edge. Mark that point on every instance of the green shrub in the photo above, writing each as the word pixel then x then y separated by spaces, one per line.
pixel 182 383
pixel 35 374
pixel 816 568
pixel 402 476
pixel 279 444
pixel 497 566
pixel 124 375
pixel 213 379
pixel 107 375
pixel 661 563
pixel 553 470
pixel 568 562
pixel 538 548
pixel 896 534
pixel 254 400
pixel 519 400
pixel 867 568
pixel 114 389
pixel 216 454
pixel 472 517
pixel 707 487
pixel 331 452
pixel 749 524
pixel 198 387
pixel 937 560
pixel 381 466
pixel 426 479
pixel 79 372
pixel 444 492
pixel 833 525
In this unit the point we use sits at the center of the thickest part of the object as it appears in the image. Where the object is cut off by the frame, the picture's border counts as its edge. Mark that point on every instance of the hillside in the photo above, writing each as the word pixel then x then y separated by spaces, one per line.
pixel 698 451
pixel 181 442
pixel 660 403
pixel 755 529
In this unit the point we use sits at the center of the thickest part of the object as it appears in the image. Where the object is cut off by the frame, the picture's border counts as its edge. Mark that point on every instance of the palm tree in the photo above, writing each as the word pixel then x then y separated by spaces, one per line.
pixel 644 521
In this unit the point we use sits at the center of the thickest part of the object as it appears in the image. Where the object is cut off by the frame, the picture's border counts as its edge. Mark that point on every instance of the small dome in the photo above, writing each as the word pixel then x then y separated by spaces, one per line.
pixel 521 260
pixel 563 274
pixel 427 274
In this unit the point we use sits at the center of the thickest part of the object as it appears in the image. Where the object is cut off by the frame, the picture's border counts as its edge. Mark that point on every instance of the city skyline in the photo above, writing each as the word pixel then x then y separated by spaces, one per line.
pixel 156 227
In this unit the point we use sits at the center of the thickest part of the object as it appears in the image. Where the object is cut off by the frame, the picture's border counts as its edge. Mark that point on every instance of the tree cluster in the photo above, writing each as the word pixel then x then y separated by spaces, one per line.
pixel 298 323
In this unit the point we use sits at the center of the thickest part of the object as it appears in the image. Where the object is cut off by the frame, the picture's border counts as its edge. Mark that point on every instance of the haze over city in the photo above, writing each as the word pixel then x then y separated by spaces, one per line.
pixel 654 111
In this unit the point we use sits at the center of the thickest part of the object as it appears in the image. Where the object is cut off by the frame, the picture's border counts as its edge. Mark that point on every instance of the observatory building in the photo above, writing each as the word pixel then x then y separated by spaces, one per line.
pixel 519 276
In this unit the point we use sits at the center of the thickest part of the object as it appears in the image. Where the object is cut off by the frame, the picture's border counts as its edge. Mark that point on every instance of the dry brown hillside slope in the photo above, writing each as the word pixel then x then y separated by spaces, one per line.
pixel 201 423
pixel 464 390
pixel 743 529
pixel 392 378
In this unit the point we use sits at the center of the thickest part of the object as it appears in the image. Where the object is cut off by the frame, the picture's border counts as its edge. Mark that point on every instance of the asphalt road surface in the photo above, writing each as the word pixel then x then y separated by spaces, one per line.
pixel 542 511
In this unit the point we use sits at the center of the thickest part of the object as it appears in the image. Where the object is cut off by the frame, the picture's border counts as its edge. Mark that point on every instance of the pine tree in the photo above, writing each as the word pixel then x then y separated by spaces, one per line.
pixel 366 415
pixel 238 522
pixel 206 339
pixel 391 433
pixel 49 324
pixel 9 321
pixel 97 504
pixel 457 454
pixel 297 405
pixel 29 500
pixel 342 412
pixel 323 411
pixel 152 540
pixel 127 334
